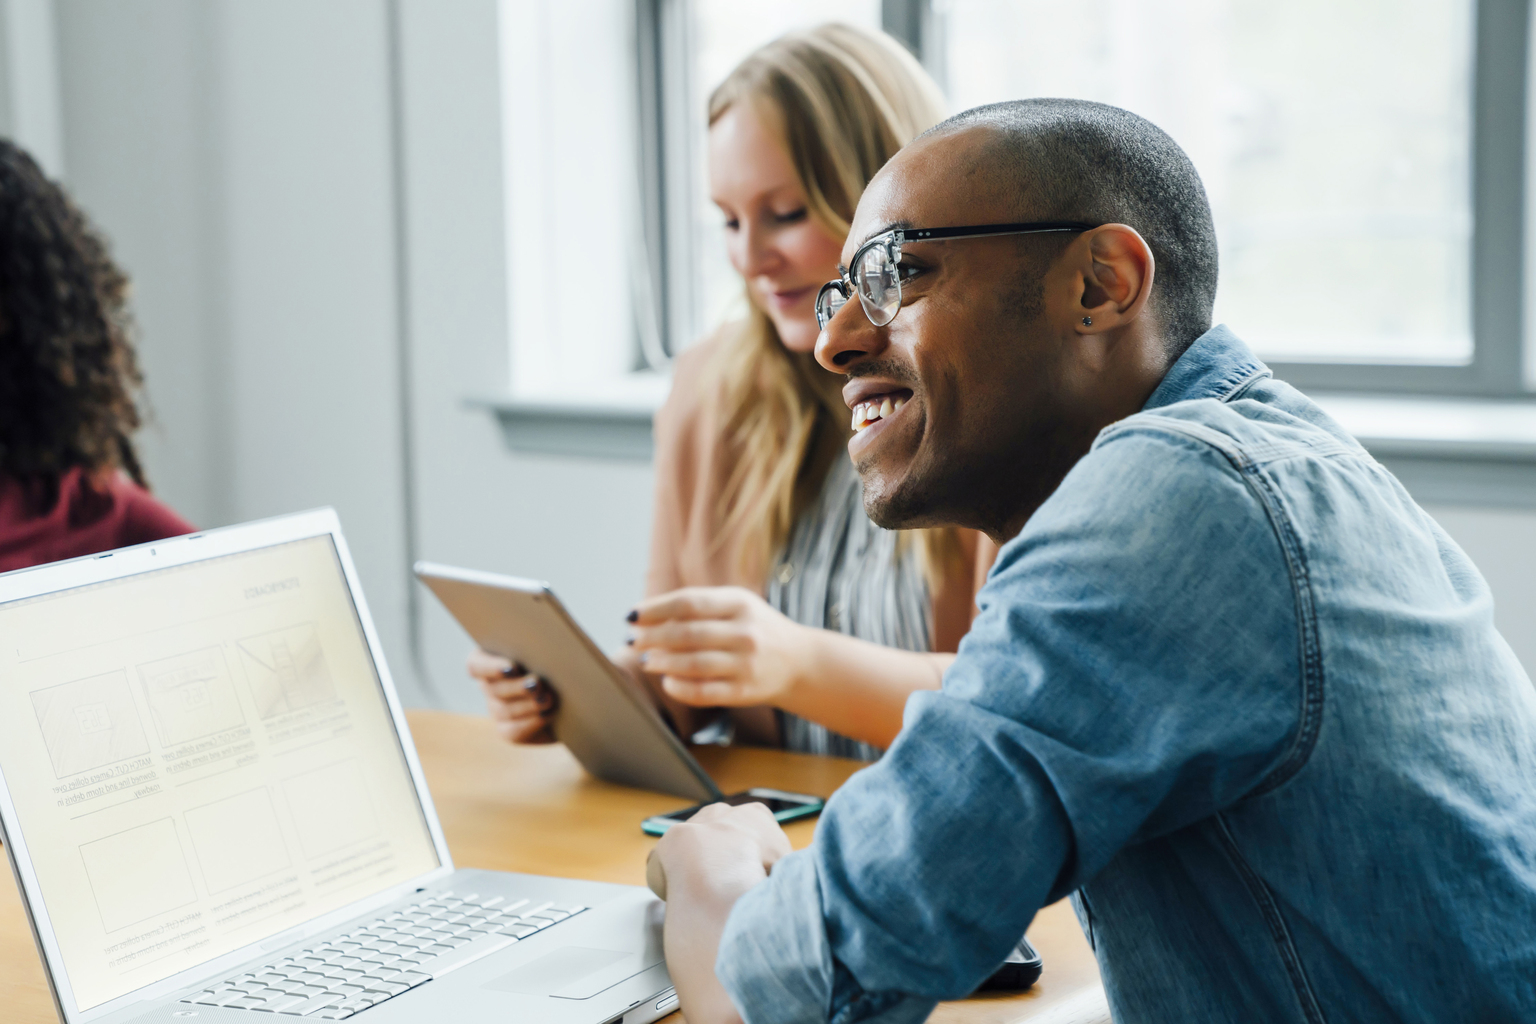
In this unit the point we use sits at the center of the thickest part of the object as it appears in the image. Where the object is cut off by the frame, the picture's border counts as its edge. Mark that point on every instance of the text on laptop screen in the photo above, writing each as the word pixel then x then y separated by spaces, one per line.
pixel 201 757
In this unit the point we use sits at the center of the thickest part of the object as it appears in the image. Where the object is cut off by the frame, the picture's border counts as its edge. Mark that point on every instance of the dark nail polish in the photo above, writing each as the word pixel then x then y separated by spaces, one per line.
pixel 633 616
pixel 509 671
pixel 531 685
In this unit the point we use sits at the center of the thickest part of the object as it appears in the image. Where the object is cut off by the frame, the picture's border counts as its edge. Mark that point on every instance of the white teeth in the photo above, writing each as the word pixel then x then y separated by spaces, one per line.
pixel 866 413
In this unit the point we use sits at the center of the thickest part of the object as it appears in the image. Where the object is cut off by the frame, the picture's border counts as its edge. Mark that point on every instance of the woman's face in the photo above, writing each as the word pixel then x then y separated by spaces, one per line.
pixel 783 254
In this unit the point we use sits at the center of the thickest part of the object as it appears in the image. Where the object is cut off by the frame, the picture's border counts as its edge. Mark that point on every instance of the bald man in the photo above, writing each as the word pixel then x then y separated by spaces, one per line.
pixel 1229 687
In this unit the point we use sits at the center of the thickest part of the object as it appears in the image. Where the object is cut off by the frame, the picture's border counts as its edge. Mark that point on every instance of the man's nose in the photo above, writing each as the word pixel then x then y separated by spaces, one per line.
pixel 848 338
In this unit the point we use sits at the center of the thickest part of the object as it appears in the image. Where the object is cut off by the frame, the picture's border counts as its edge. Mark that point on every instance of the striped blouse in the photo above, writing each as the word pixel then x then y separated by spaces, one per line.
pixel 840 571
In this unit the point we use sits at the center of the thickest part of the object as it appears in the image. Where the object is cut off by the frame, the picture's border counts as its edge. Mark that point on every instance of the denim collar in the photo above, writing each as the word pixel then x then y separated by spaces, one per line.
pixel 1218 365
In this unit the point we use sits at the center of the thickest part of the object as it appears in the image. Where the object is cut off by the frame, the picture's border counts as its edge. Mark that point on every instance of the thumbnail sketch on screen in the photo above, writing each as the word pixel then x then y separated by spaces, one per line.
pixel 138 874
pixel 191 695
pixel 287 670
pixel 89 723
pixel 237 839
pixel 331 808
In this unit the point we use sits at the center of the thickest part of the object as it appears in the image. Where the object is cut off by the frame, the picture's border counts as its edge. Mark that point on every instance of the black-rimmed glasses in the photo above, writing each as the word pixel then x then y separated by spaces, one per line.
pixel 876 268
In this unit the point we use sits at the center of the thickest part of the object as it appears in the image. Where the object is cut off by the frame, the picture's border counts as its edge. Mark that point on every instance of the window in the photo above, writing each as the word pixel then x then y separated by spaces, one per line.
pixel 1337 162
pixel 575 260
pixel 703 41
pixel 1365 164
pixel 615 255
pixel 1360 158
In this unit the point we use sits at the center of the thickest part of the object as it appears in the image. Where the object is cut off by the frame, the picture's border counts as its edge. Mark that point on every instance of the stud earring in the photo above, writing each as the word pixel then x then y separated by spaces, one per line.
pixel 1087 321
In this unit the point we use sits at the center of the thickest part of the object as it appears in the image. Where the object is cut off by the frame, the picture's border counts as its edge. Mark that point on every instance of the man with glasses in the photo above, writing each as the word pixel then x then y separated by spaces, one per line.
pixel 1229 687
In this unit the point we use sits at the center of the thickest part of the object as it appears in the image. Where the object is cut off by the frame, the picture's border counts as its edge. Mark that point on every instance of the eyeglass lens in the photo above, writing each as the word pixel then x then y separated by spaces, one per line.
pixel 828 302
pixel 878 284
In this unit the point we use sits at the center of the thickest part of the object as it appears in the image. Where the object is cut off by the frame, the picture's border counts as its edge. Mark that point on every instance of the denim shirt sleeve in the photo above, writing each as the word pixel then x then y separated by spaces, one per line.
pixel 1134 669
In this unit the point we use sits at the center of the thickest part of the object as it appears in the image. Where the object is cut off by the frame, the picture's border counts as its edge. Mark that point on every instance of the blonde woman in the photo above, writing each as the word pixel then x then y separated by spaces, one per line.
pixel 772 596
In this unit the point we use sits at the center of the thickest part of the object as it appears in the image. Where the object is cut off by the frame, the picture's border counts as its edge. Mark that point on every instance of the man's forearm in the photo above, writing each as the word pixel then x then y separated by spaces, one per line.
pixel 695 923
pixel 703 883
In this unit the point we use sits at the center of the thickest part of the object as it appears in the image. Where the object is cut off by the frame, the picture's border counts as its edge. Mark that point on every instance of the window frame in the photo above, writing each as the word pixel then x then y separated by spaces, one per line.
pixel 1499 86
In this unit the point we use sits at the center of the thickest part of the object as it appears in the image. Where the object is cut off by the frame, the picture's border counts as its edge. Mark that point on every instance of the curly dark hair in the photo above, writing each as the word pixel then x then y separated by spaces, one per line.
pixel 68 372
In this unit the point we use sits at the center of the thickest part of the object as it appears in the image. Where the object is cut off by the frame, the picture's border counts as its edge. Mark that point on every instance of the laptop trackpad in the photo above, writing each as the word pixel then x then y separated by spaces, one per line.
pixel 574 972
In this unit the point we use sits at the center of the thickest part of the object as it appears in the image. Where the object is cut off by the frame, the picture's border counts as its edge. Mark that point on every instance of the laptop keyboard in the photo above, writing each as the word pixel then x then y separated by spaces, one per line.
pixel 405 948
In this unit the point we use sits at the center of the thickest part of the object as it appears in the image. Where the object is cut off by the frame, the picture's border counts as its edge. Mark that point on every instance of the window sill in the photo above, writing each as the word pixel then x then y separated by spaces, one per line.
pixel 1445 450
pixel 610 421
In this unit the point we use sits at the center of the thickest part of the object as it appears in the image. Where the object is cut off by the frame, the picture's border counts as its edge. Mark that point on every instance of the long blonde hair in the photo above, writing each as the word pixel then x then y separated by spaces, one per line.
pixel 844 101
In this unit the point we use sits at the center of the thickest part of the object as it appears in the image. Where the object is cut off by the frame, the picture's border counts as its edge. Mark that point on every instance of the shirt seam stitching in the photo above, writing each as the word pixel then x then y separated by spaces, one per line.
pixel 1309 721
pixel 1256 374
pixel 1279 932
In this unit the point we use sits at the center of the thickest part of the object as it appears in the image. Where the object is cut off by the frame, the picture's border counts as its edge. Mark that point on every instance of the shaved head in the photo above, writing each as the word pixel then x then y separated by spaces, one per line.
pixel 1073 160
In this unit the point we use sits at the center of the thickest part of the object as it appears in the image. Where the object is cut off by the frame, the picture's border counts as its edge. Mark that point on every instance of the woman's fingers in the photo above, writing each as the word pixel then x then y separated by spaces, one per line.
pixel 487 666
pixel 525 718
pixel 526 731
pixel 521 706
pixel 512 710
pixel 515 687
pixel 528 692
pixel 695 635
pixel 692 603
pixel 709 693
pixel 695 665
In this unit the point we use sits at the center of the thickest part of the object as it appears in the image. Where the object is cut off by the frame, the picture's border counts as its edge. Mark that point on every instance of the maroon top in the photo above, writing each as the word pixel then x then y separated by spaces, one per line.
pixel 108 514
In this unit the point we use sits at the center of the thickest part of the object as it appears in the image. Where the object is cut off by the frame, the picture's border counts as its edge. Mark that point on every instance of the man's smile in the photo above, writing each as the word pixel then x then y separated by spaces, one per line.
pixel 879 408
pixel 875 402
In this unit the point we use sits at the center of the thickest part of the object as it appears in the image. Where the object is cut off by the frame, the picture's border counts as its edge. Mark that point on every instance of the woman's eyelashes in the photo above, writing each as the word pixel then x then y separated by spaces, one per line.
pixel 778 219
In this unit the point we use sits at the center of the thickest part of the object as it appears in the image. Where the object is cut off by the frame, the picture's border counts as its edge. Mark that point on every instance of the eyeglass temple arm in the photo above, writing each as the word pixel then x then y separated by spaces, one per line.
pixel 1039 227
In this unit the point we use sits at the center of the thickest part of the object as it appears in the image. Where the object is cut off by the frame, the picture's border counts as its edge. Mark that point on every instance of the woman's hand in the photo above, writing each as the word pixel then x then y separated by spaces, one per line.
pixel 721 647
pixel 520 705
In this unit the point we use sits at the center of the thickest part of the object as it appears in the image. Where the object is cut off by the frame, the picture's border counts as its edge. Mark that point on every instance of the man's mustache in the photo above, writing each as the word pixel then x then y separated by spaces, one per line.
pixel 890 369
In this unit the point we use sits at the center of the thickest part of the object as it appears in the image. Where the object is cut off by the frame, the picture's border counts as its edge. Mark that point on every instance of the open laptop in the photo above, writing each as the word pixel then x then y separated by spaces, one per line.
pixel 215 814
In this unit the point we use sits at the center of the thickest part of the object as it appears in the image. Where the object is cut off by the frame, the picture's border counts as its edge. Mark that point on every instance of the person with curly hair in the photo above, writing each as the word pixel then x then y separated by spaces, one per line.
pixel 70 478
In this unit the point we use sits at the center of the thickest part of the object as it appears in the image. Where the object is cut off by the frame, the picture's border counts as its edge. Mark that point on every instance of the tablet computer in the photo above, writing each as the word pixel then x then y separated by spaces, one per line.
pixel 605 717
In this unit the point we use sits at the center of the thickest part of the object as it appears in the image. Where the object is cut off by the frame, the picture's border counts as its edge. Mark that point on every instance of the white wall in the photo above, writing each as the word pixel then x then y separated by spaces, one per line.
pixel 581 524
pixel 242 158
pixel 1502 543
pixel 238 156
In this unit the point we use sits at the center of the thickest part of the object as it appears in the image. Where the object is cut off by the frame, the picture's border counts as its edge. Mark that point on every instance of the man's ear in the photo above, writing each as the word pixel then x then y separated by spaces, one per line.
pixel 1114 275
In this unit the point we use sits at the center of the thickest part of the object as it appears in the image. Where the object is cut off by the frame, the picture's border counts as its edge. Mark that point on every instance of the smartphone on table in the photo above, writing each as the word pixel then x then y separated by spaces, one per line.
pixel 785 807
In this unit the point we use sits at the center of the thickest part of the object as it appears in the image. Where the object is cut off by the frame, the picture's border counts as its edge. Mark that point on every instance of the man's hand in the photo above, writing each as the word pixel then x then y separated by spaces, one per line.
pixel 721 647
pixel 701 867
pixel 719 842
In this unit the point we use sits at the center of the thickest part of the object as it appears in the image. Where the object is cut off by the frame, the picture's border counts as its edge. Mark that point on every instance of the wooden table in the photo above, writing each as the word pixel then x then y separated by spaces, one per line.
pixel 533 809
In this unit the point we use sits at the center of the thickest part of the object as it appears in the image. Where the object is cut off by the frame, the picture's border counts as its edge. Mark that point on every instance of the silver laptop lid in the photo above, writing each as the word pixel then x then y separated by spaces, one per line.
pixel 201 756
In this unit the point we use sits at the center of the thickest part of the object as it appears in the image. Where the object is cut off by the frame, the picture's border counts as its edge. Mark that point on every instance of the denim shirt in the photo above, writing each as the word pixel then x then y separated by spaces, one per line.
pixel 1240 694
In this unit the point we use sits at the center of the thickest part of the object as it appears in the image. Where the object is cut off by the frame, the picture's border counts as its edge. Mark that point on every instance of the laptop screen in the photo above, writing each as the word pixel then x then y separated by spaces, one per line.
pixel 201 757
